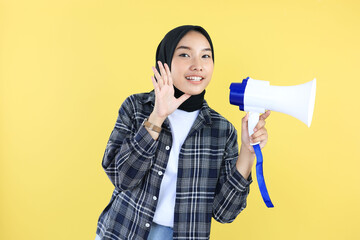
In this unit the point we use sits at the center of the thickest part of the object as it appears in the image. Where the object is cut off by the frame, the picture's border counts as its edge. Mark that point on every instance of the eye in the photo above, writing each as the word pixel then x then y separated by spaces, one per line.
pixel 206 56
pixel 184 55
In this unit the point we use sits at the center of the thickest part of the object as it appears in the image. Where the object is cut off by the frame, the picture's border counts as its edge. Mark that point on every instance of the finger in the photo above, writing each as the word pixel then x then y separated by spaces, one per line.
pixel 259 125
pixel 170 82
pixel 156 86
pixel 259 138
pixel 245 118
pixel 259 133
pixel 244 122
pixel 265 115
pixel 158 77
pixel 163 73
pixel 262 144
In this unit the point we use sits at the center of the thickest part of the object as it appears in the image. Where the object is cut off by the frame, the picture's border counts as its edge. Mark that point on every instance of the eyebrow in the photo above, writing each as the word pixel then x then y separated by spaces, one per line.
pixel 188 48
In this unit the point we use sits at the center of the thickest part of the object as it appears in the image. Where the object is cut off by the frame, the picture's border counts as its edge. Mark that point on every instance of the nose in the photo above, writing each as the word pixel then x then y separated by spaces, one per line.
pixel 196 65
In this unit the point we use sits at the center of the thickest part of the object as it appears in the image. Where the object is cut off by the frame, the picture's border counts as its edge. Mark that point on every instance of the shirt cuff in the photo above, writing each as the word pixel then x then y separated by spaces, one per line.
pixel 238 181
pixel 144 141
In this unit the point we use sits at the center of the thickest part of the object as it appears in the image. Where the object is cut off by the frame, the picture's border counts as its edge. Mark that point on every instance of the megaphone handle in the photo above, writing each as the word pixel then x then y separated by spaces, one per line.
pixel 252 122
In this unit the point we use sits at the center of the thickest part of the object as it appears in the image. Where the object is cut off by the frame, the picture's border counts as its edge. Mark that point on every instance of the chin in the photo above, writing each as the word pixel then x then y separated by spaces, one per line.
pixel 194 92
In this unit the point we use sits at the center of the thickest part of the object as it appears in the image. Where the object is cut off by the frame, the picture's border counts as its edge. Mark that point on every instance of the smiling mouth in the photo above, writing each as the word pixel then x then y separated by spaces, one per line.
pixel 194 79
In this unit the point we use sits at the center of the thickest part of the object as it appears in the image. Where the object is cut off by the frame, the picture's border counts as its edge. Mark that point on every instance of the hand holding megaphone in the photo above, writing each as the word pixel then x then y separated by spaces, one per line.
pixel 256 96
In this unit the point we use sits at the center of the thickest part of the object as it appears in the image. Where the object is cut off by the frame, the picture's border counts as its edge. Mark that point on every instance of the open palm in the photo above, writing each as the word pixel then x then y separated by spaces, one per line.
pixel 165 101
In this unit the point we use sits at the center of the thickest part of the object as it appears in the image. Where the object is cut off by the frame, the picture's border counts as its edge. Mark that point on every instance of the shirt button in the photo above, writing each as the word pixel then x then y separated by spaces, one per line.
pixel 160 173
pixel 155 198
pixel 167 148
pixel 147 225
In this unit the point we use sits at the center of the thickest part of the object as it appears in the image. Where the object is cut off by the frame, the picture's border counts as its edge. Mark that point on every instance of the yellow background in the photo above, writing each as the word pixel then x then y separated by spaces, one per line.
pixel 66 67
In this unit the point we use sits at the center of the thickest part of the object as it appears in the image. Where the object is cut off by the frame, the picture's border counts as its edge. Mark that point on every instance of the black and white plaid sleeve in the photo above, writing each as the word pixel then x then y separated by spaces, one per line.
pixel 130 149
pixel 232 188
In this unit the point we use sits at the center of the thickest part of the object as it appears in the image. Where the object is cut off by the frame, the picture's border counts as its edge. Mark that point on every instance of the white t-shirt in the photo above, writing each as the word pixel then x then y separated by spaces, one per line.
pixel 180 123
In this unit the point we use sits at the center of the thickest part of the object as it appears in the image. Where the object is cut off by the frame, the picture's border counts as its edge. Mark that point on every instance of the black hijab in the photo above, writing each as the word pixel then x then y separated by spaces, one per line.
pixel 165 52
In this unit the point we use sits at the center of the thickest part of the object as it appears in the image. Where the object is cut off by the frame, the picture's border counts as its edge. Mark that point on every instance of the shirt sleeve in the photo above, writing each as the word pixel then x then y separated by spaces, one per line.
pixel 129 152
pixel 232 188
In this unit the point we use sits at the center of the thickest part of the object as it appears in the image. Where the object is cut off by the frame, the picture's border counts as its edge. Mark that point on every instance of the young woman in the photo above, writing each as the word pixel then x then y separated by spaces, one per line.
pixel 174 161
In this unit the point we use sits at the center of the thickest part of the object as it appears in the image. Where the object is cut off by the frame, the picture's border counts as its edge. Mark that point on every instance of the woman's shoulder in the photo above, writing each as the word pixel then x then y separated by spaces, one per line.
pixel 139 98
pixel 220 120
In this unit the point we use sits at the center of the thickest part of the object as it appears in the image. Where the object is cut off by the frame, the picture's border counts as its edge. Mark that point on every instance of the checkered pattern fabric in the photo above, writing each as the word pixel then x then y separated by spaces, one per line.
pixel 208 184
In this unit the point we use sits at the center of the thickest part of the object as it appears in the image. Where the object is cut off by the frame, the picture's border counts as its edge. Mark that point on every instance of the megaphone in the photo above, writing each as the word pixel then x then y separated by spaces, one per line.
pixel 256 96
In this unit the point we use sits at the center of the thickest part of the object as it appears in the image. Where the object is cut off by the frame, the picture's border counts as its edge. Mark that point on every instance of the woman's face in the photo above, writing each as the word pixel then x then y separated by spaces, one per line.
pixel 192 65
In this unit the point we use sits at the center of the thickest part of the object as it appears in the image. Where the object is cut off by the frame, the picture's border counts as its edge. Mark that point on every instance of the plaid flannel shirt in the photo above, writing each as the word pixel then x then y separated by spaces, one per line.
pixel 208 183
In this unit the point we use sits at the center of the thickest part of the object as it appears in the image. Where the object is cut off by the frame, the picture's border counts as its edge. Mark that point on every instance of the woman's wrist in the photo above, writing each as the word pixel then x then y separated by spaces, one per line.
pixel 155 119
pixel 245 161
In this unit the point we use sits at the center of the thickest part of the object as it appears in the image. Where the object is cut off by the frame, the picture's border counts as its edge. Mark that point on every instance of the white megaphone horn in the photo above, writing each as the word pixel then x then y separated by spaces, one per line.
pixel 256 96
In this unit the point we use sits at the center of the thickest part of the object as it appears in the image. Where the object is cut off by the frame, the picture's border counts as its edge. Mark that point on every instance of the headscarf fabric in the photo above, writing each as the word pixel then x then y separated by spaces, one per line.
pixel 165 52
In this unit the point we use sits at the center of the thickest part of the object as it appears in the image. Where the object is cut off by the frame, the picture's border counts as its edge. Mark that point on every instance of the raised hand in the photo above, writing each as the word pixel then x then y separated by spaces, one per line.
pixel 165 101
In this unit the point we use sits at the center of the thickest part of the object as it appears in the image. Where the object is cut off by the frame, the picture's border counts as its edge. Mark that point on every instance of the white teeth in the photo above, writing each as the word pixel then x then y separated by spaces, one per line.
pixel 194 78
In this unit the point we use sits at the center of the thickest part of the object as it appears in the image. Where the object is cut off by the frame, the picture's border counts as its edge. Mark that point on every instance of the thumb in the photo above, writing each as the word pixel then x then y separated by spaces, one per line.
pixel 183 98
pixel 245 119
